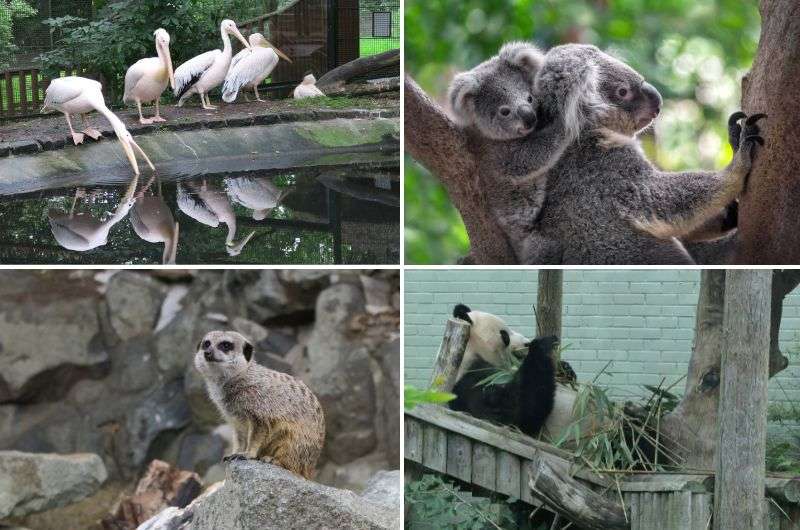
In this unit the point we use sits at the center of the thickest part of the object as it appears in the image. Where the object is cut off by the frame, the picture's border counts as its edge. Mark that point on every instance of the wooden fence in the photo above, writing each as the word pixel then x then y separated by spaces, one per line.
pixel 22 91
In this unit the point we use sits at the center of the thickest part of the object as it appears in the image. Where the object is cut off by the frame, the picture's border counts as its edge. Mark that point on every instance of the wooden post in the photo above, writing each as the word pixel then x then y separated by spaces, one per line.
pixel 548 304
pixel 742 423
pixel 451 352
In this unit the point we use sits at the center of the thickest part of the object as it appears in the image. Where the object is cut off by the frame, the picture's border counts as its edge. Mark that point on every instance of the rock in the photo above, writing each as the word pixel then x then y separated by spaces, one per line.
pixel 388 391
pixel 35 482
pixel 134 302
pixel 378 294
pixel 134 366
pixel 85 514
pixel 278 342
pixel 204 412
pixel 165 409
pixel 354 475
pixel 49 334
pixel 161 486
pixel 254 332
pixel 256 495
pixel 172 306
pixel 306 278
pixel 273 362
pixel 385 487
pixel 199 452
pixel 341 376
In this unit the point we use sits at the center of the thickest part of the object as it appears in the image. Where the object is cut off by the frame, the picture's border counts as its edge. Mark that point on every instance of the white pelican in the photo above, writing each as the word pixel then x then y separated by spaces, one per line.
pixel 257 194
pixel 78 95
pixel 83 232
pixel 308 88
pixel 152 220
pixel 211 207
pixel 250 67
pixel 200 74
pixel 147 78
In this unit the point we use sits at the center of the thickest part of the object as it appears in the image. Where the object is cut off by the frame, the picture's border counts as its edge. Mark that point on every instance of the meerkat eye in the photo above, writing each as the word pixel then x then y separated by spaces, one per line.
pixel 505 111
pixel 225 346
pixel 206 344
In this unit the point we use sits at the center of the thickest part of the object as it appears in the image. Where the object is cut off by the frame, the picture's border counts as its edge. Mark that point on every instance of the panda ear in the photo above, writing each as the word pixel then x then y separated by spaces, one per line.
pixel 506 338
pixel 248 351
pixel 463 90
pixel 523 55
pixel 462 312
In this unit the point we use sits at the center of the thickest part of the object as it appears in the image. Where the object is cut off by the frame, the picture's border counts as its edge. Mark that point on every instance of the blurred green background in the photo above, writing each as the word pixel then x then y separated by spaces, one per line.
pixel 694 51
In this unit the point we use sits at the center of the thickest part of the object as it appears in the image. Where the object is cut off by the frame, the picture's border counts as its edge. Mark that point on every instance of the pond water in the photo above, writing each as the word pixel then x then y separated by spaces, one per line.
pixel 338 213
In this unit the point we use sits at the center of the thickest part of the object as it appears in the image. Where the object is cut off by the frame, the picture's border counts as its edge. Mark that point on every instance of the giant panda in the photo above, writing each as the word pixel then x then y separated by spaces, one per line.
pixel 528 399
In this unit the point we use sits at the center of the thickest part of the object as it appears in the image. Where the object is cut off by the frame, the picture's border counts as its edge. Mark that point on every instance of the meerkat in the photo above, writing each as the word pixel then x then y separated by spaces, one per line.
pixel 276 417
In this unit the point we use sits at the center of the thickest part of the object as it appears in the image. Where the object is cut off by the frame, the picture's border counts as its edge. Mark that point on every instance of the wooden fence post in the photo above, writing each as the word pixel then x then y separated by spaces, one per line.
pixel 451 352
pixel 742 419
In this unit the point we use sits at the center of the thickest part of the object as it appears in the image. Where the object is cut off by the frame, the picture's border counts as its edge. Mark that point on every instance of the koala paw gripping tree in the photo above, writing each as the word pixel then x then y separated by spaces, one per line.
pixel 769 231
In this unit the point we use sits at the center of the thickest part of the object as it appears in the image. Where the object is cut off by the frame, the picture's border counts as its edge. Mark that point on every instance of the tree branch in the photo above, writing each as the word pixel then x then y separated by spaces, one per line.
pixel 448 151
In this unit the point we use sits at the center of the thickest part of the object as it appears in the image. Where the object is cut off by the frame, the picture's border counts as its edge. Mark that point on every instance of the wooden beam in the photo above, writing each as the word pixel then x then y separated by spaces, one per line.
pixel 451 352
pixel 548 303
pixel 742 418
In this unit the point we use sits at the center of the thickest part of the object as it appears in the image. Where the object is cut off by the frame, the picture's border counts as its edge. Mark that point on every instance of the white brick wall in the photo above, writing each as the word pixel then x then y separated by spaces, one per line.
pixel 641 320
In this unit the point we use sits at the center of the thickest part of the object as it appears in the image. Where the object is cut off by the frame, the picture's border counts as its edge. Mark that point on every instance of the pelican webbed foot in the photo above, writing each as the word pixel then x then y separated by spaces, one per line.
pixel 94 134
pixel 157 119
pixel 77 138
pixel 146 121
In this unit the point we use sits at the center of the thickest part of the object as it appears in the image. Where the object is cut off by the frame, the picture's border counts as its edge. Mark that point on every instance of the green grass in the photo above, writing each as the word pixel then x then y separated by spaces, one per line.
pixel 372 45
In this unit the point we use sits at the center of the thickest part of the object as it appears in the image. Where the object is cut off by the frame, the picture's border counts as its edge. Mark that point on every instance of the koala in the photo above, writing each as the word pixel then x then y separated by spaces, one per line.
pixel 606 203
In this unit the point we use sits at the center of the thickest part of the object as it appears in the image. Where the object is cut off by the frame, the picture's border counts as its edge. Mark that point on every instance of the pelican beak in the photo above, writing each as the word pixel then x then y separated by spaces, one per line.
pixel 131 156
pixel 234 249
pixel 280 53
pixel 168 58
pixel 144 155
pixel 239 36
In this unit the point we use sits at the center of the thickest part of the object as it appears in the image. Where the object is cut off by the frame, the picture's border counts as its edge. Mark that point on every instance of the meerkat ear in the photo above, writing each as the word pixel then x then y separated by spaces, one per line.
pixel 523 55
pixel 248 351
pixel 461 96
pixel 199 344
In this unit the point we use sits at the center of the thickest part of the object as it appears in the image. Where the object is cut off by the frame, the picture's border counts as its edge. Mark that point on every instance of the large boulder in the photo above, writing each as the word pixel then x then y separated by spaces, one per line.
pixel 257 495
pixel 134 303
pixel 49 334
pixel 35 482
pixel 340 374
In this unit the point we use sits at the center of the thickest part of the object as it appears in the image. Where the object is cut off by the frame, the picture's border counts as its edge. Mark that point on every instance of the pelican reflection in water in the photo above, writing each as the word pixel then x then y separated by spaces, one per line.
pixel 152 220
pixel 259 194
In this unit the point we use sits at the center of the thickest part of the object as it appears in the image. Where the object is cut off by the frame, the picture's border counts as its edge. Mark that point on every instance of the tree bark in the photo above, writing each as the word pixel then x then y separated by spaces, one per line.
pixel 451 353
pixel 340 75
pixel 548 304
pixel 769 227
pixel 739 484
pixel 690 429
pixel 440 145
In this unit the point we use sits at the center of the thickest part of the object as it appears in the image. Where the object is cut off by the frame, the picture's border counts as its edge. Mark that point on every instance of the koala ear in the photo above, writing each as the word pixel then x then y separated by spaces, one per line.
pixel 523 55
pixel 506 338
pixel 248 351
pixel 463 90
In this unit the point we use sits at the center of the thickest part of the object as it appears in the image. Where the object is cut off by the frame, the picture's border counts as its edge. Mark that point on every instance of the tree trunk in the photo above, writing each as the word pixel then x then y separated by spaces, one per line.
pixel 451 353
pixel 440 145
pixel 548 304
pixel 739 484
pixel 340 75
pixel 769 227
pixel 690 429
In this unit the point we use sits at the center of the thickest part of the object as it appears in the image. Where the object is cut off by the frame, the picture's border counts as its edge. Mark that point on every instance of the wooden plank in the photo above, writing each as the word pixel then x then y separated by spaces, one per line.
pixel 525 493
pixel 632 502
pixel 484 466
pixel 434 448
pixel 23 93
pixel 701 511
pixel 508 474
pixel 413 440
pixel 35 89
pixel 683 510
pixel 9 95
pixel 459 456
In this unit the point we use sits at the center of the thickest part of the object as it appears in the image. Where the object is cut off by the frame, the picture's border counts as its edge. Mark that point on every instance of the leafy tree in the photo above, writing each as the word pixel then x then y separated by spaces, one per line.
pixel 123 34
pixel 10 11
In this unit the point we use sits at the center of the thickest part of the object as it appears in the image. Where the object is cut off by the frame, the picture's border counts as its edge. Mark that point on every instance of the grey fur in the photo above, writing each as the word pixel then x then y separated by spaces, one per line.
pixel 605 202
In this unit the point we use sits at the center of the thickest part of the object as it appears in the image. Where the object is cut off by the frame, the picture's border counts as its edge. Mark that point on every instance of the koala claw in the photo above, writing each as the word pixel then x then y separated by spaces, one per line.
pixel 735 117
pixel 753 119
pixel 734 129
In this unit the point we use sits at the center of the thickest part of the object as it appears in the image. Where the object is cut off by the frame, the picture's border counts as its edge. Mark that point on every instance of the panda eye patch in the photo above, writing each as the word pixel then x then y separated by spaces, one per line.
pixel 225 346
pixel 505 111
pixel 504 335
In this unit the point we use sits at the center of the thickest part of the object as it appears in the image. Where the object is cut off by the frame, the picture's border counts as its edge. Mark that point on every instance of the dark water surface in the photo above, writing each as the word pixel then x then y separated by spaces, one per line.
pixel 343 213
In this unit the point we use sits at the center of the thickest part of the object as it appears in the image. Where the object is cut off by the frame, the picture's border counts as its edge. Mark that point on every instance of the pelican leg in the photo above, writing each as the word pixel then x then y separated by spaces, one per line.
pixel 76 137
pixel 158 117
pixel 142 119
pixel 89 131
pixel 207 102
pixel 258 98
pixel 245 96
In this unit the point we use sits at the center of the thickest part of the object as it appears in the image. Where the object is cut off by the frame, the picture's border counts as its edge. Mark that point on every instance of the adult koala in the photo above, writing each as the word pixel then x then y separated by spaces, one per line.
pixel 606 204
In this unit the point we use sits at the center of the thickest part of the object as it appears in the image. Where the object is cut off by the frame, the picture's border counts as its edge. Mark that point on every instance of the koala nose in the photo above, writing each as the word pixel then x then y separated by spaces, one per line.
pixel 652 95
pixel 527 115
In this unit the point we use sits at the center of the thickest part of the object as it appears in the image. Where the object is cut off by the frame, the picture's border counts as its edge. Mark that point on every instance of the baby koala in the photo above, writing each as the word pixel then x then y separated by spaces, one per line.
pixel 498 101
pixel 276 417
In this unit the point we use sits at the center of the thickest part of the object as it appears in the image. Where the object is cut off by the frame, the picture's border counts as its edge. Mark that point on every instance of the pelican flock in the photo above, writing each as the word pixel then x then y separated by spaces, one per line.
pixel 145 82
pixel 200 74
pixel 250 67
pixel 147 78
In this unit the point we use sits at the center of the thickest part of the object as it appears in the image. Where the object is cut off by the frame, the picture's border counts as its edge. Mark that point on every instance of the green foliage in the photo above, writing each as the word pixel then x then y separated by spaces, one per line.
pixel 413 396
pixel 784 457
pixel 123 34
pixel 694 52
pixel 10 12
pixel 436 504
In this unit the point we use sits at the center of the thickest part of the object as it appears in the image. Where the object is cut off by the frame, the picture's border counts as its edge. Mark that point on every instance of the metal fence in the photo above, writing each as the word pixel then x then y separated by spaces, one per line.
pixel 317 34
